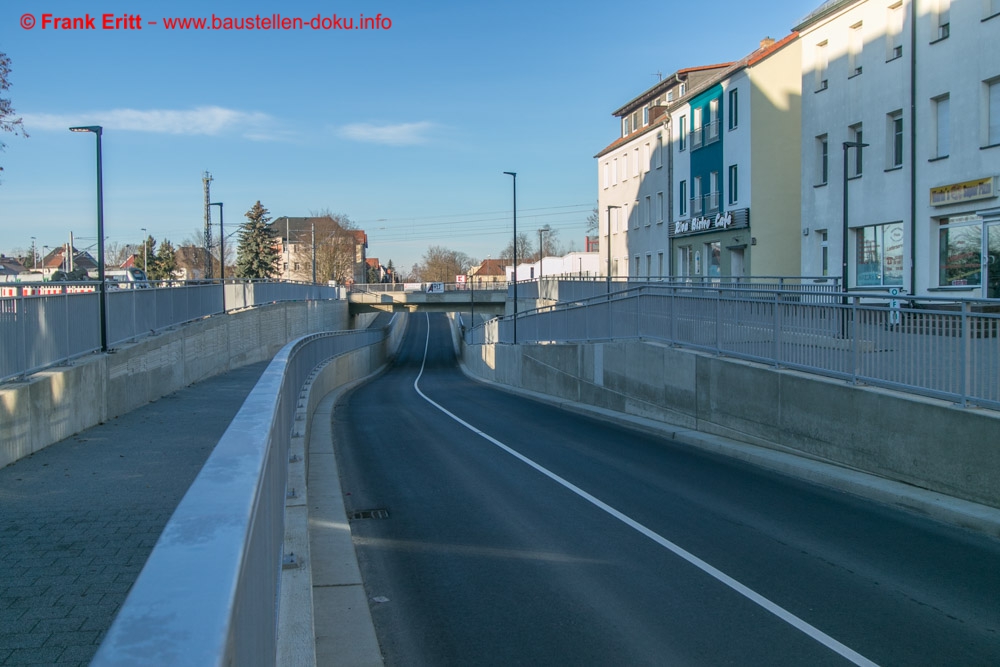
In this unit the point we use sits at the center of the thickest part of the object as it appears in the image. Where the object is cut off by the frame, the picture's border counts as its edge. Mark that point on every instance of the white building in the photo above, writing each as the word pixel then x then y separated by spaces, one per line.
pixel 634 180
pixel 573 264
pixel 904 115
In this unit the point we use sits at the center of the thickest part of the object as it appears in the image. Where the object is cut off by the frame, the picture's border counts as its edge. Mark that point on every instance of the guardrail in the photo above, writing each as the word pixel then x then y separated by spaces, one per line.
pixel 930 346
pixel 57 322
pixel 208 595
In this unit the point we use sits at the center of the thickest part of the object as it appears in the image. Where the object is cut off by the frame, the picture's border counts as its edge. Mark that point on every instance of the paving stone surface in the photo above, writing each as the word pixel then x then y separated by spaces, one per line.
pixel 79 518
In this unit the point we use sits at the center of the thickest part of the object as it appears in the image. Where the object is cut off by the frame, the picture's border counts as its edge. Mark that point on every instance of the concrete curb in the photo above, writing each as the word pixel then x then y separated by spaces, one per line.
pixel 937 506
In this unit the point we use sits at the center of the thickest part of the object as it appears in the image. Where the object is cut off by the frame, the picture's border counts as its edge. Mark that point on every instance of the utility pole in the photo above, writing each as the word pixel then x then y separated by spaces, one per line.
pixel 206 178
pixel 314 251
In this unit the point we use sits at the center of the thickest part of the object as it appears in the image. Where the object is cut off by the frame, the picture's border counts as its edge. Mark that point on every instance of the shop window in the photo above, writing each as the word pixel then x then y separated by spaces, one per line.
pixel 960 247
pixel 879 252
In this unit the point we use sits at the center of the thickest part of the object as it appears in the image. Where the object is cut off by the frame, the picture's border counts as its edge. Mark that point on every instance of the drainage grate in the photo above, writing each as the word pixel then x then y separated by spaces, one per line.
pixel 380 513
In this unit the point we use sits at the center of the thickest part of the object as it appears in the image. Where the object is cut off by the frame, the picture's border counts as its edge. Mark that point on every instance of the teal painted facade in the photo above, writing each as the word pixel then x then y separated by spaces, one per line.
pixel 706 154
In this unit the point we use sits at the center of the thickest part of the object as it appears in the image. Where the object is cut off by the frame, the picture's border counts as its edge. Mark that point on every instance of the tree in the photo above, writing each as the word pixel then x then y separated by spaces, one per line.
pixel 164 263
pixel 257 255
pixel 593 222
pixel 442 265
pixel 7 121
pixel 525 249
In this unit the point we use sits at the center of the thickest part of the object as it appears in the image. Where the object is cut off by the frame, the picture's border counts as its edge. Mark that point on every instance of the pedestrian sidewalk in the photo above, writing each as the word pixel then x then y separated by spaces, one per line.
pixel 79 518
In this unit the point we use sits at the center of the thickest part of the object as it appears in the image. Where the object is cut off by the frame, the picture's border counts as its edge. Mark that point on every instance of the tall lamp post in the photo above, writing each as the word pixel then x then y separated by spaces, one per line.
pixel 98 130
pixel 857 145
pixel 222 254
pixel 514 175
pixel 610 206
pixel 145 263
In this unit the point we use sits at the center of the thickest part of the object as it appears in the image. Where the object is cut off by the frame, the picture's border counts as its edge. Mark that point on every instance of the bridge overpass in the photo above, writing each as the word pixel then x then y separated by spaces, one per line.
pixel 431 297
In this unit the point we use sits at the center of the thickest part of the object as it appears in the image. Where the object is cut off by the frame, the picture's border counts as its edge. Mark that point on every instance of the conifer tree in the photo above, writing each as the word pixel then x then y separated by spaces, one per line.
pixel 257 254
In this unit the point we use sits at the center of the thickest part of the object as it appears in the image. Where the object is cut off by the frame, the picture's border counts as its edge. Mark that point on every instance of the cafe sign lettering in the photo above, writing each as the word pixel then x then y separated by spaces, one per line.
pixel 721 221
pixel 958 193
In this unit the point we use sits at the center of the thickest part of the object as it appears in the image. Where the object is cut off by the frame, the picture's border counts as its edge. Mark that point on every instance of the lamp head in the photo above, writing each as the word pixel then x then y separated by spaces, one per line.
pixel 96 129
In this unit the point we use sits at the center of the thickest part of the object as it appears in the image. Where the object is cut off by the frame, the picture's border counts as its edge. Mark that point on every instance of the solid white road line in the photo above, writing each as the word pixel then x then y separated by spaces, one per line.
pixel 724 578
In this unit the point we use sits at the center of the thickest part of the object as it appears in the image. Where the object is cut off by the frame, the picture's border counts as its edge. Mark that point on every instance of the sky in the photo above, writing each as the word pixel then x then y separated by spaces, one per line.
pixel 405 129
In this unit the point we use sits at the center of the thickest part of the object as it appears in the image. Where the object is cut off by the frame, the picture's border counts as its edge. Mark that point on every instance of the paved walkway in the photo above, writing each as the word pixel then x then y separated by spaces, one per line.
pixel 79 518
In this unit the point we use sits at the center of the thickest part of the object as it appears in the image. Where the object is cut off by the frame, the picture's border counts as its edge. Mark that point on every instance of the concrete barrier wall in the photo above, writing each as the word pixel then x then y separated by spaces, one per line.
pixel 925 442
pixel 56 403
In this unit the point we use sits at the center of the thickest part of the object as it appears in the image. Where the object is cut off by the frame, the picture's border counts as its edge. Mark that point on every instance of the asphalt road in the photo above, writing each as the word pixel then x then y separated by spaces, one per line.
pixel 549 538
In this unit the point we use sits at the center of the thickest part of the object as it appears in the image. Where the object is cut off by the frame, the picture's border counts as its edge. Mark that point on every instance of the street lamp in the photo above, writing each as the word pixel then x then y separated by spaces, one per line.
pixel 34 257
pixel 145 263
pixel 222 254
pixel 843 249
pixel 97 130
pixel 514 175
pixel 610 206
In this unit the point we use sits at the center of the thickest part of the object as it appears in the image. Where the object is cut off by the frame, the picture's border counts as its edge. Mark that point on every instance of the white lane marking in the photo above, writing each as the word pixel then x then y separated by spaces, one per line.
pixel 722 577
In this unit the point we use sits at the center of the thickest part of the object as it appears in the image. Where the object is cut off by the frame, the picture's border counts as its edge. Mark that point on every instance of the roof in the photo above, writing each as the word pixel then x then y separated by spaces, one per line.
pixel 492 267
pixel 824 10
pixel 667 83
pixel 9 266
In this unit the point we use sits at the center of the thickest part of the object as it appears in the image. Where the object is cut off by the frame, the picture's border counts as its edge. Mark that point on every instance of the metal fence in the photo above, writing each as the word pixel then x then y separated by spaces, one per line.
pixel 42 330
pixel 934 347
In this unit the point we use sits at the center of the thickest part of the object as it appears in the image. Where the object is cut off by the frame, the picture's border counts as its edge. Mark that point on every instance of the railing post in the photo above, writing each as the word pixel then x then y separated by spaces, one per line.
pixel 777 329
pixel 967 370
pixel 855 343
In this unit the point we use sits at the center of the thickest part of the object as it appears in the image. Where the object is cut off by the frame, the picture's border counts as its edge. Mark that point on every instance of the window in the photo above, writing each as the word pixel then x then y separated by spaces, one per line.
pixel 635 266
pixel 682 198
pixel 993 112
pixel 734 109
pixel 682 133
pixel 713 253
pixel 659 151
pixel 635 121
pixel 649 210
pixel 822 159
pixel 880 255
pixel 645 157
pixel 713 192
pixel 696 200
pixel 659 262
pixel 683 89
pixel 942 121
pixel 670 95
pixel 713 121
pixel 607 175
pixel 734 190
pixel 625 126
pixel 645 115
pixel 855 43
pixel 625 166
pixel 855 165
pixel 894 32
pixel 614 172
pixel 960 248
pixel 659 208
pixel 822 62
pixel 894 139
pixel 649 264
pixel 635 161
pixel 942 20
pixel 824 246
pixel 614 266
pixel 638 214
pixel 614 220
pixel 697 129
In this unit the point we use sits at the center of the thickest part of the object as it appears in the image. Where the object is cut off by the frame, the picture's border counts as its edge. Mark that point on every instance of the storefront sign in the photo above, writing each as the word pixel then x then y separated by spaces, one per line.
pixel 957 193
pixel 729 219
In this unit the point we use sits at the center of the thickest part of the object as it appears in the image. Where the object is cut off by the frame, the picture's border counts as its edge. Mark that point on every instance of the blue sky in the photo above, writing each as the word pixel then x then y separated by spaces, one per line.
pixel 405 130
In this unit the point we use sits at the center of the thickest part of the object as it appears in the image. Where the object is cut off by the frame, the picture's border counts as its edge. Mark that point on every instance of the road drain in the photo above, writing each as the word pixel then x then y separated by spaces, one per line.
pixel 369 514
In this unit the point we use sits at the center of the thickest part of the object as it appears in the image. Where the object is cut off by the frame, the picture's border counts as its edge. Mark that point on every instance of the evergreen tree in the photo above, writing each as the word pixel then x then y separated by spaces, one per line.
pixel 257 254
pixel 163 264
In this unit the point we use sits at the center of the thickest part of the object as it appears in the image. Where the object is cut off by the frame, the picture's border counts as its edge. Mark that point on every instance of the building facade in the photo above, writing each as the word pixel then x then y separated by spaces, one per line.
pixel 736 169
pixel 901 145
pixel 634 180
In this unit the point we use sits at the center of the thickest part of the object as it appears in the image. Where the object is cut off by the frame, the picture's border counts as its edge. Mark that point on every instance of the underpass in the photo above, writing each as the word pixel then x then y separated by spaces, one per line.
pixel 492 529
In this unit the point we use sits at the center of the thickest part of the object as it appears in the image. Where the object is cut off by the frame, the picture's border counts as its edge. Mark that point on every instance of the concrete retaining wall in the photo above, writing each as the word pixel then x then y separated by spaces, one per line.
pixel 56 403
pixel 925 442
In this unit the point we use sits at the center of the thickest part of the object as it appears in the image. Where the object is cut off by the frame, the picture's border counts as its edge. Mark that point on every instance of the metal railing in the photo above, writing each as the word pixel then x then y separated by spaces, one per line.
pixel 931 346
pixel 46 329
pixel 208 595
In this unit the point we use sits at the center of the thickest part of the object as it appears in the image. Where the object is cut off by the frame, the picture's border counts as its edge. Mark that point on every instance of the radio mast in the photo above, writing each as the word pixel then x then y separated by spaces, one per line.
pixel 206 179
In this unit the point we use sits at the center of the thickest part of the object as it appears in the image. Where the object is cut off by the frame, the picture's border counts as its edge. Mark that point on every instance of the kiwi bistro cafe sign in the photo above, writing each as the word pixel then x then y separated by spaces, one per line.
pixel 727 220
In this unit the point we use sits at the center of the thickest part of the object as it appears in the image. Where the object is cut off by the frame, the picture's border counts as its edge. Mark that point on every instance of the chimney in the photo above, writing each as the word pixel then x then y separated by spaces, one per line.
pixel 766 42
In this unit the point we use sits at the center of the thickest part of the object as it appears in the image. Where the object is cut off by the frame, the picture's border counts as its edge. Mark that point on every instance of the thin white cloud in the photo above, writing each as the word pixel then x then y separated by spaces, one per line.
pixel 209 120
pixel 401 134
